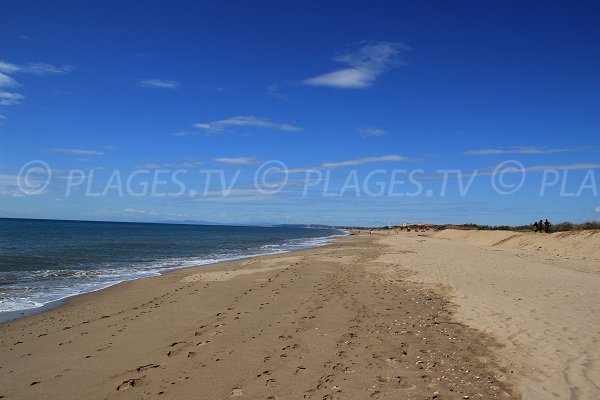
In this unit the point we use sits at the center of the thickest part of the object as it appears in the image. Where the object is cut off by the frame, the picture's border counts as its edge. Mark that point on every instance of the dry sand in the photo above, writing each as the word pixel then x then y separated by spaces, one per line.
pixel 344 321
pixel 538 294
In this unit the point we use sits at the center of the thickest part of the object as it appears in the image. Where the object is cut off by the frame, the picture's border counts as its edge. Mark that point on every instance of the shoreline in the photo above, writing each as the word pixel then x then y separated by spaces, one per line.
pixel 387 315
pixel 325 321
pixel 7 316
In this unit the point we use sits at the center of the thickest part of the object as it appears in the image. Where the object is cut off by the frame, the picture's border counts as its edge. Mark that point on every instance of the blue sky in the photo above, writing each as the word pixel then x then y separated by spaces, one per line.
pixel 342 94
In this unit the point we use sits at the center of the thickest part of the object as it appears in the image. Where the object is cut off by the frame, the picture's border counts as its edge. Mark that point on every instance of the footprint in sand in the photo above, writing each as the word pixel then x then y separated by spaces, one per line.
pixel 146 367
pixel 176 348
pixel 129 383
pixel 270 382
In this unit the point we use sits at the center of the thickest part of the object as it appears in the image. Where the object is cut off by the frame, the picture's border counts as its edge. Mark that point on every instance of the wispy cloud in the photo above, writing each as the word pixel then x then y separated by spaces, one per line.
pixel 159 83
pixel 371 131
pixel 9 185
pixel 529 150
pixel 178 215
pixel 244 122
pixel 34 68
pixel 10 98
pixel 237 160
pixel 80 152
pixel 363 66
pixel 233 196
pixel 364 160
pixel 529 169
pixel 149 166
pixel 185 164
pixel 7 82
pixel 563 167
pixel 275 91
pixel 139 212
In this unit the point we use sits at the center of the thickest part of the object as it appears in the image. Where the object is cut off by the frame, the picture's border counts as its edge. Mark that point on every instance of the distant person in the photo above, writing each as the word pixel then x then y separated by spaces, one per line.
pixel 536 227
pixel 541 226
pixel 547 226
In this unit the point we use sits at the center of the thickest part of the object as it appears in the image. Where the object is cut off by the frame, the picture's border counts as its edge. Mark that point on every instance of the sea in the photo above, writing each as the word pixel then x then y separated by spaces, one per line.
pixel 44 261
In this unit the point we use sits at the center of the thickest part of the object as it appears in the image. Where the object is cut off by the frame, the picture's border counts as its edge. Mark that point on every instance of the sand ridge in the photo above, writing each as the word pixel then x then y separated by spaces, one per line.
pixel 583 245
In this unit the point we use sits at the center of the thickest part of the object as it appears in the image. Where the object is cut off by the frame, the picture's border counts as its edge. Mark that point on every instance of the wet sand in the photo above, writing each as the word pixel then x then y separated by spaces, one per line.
pixel 344 321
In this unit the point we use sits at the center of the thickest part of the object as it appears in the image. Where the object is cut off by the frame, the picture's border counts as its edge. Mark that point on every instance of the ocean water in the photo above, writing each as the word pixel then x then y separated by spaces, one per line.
pixel 42 261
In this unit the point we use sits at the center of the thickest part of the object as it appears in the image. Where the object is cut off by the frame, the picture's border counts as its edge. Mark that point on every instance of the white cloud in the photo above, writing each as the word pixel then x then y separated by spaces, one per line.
pixel 7 81
pixel 8 68
pixel 244 122
pixel 364 160
pixel 10 98
pixel 34 68
pixel 598 209
pixel 159 83
pixel 80 152
pixel 349 78
pixel 363 66
pixel 237 160
pixel 371 131
pixel 529 150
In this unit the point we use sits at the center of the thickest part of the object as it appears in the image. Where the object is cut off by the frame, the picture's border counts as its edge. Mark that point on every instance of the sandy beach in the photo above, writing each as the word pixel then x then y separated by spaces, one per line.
pixel 536 293
pixel 447 315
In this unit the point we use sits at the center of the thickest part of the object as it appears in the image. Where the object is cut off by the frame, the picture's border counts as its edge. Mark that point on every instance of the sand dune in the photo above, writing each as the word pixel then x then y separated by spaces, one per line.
pixel 574 244
pixel 537 293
